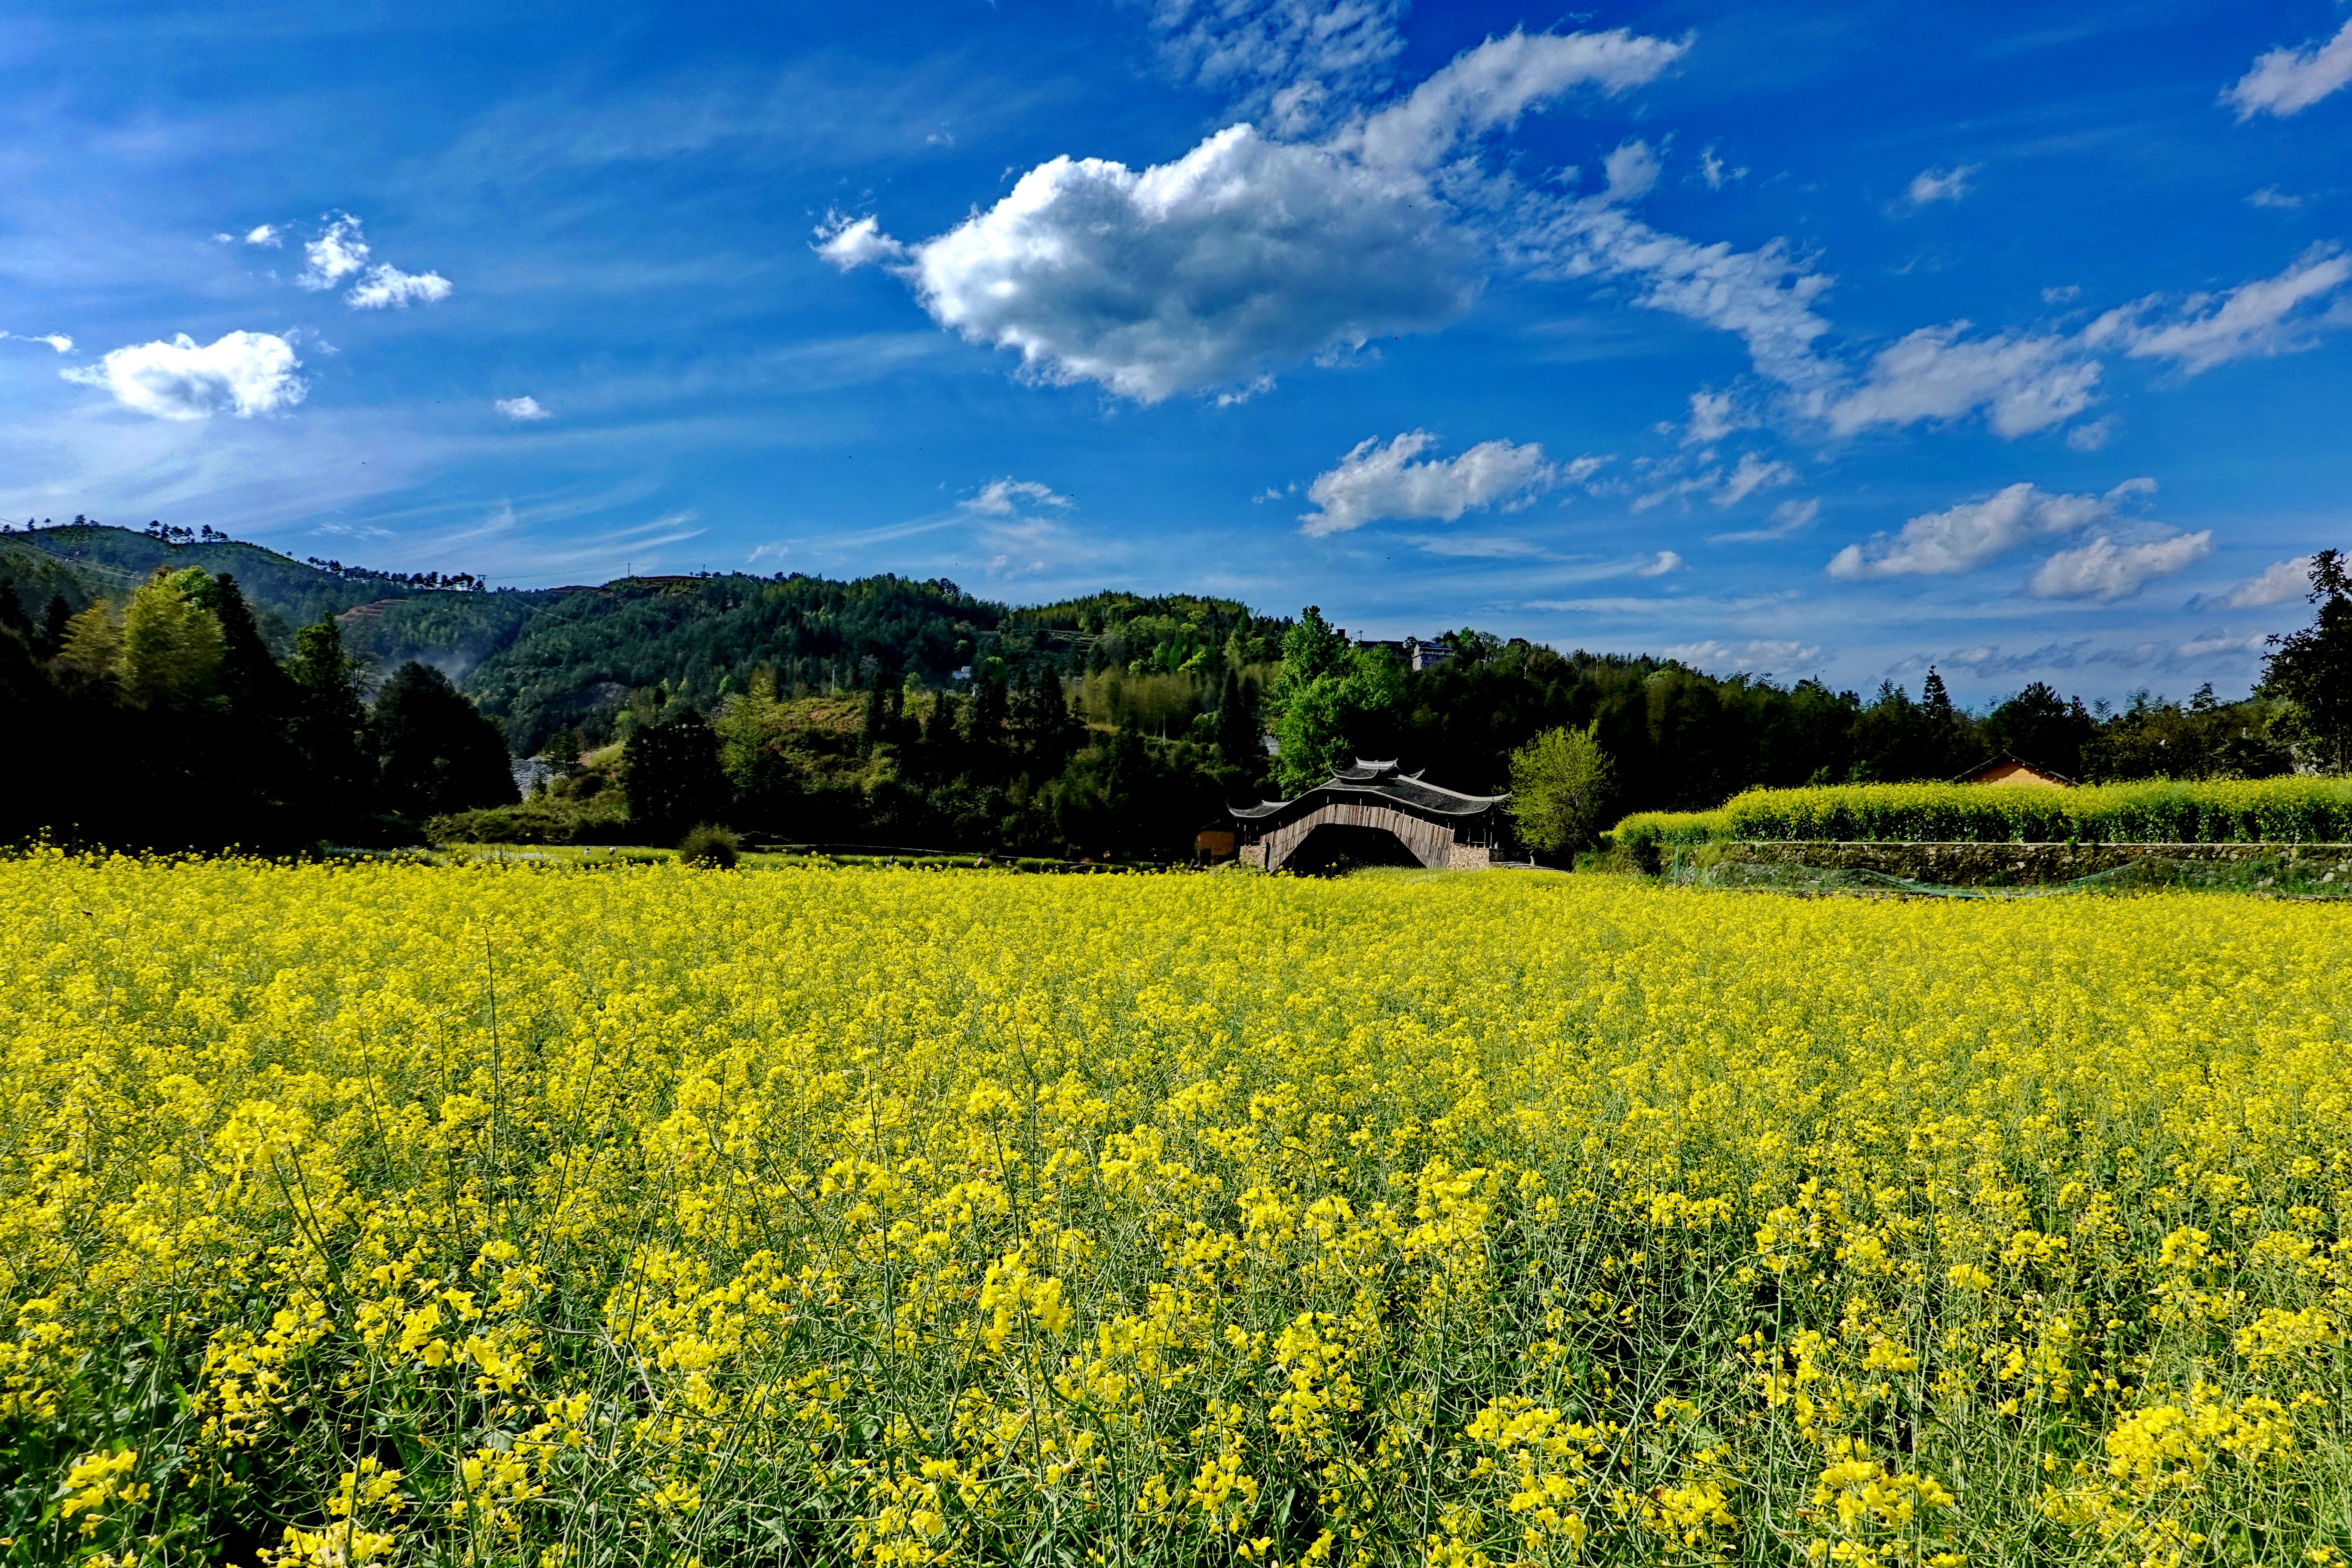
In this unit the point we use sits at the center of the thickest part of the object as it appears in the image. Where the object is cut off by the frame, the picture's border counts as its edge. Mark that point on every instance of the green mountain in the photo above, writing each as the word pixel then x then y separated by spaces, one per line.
pixel 547 660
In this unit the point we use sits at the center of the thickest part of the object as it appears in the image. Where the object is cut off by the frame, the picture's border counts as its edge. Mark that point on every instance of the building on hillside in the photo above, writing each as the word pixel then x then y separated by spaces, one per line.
pixel 1368 810
pixel 1413 653
pixel 2014 773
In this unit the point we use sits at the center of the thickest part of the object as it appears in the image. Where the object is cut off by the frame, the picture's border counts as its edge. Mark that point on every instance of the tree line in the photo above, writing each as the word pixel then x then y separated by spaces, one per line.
pixel 165 721
pixel 894 712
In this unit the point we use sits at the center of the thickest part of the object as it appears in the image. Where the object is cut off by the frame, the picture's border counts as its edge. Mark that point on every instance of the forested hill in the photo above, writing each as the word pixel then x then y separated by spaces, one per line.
pixel 388 617
pixel 579 658
pixel 895 711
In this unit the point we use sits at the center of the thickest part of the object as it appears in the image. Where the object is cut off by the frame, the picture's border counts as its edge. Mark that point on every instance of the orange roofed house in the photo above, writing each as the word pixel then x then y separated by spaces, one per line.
pixel 2014 771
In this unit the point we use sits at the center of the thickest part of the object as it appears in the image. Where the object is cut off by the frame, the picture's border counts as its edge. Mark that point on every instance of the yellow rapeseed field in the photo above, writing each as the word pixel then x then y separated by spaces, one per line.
pixel 432 1215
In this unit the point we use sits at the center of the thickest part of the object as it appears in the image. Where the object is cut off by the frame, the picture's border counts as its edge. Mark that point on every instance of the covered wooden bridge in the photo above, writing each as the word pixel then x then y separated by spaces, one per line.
pixel 1370 803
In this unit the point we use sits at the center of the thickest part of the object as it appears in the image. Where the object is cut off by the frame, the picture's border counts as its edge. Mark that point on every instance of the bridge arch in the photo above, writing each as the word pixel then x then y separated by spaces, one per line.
pixel 1435 826
pixel 1430 843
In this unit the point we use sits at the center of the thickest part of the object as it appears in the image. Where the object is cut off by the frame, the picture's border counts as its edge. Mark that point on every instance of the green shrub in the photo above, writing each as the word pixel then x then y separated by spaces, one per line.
pixel 542 819
pixel 2294 810
pixel 709 845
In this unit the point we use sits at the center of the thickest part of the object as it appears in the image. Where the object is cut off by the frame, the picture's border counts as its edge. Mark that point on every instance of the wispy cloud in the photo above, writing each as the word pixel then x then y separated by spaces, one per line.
pixel 1003 497
pixel 2289 80
pixel 1931 185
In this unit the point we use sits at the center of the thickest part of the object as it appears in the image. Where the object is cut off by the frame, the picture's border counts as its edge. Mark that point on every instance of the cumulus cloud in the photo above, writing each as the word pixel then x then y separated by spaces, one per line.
pixel 2288 80
pixel 1003 497
pixel 1193 274
pixel 1660 565
pixel 244 374
pixel 2269 316
pixel 57 341
pixel 1941 544
pixel 341 252
pixel 2272 196
pixel 522 410
pixel 334 255
pixel 2022 384
pixel 1931 185
pixel 1377 480
pixel 265 234
pixel 2279 582
pixel 389 286
pixel 849 243
pixel 2106 571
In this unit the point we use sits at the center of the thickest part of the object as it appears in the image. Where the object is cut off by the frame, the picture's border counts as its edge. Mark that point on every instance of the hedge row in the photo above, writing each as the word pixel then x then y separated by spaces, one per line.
pixel 2231 811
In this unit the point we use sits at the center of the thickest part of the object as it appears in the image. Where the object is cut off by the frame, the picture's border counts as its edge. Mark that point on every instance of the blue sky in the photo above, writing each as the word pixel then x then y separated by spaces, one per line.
pixel 1829 340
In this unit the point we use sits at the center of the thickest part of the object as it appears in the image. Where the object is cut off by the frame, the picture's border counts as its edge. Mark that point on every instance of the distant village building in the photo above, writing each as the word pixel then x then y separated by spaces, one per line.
pixel 1413 652
pixel 2014 773
pixel 1438 827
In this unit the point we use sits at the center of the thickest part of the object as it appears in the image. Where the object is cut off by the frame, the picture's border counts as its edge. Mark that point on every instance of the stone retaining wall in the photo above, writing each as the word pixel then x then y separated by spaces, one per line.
pixel 1971 864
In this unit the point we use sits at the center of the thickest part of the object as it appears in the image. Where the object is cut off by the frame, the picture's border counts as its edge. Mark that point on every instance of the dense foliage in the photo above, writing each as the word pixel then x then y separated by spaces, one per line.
pixel 165 719
pixel 405 1215
pixel 2302 810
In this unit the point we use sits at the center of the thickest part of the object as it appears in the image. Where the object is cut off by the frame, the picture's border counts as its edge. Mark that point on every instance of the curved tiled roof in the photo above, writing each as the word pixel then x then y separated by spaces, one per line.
pixel 1381 778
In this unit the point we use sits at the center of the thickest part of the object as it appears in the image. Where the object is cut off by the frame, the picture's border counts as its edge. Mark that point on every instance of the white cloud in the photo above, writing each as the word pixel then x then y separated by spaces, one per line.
pixel 522 410
pixel 1930 185
pixel 267 233
pixel 2289 80
pixel 1941 544
pixel 2024 384
pixel 1290 63
pixel 1192 274
pixel 2279 582
pixel 2106 571
pixel 341 251
pixel 334 255
pixel 2062 293
pixel 1659 566
pixel 1757 654
pixel 1715 171
pixel 1488 87
pixel 1633 170
pixel 1713 416
pixel 1377 480
pixel 390 286
pixel 2272 196
pixel 1750 474
pixel 2219 642
pixel 1789 517
pixel 57 341
pixel 243 374
pixel 2266 317
pixel 1002 497
pixel 848 243
pixel 2089 437
pixel 1764 296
